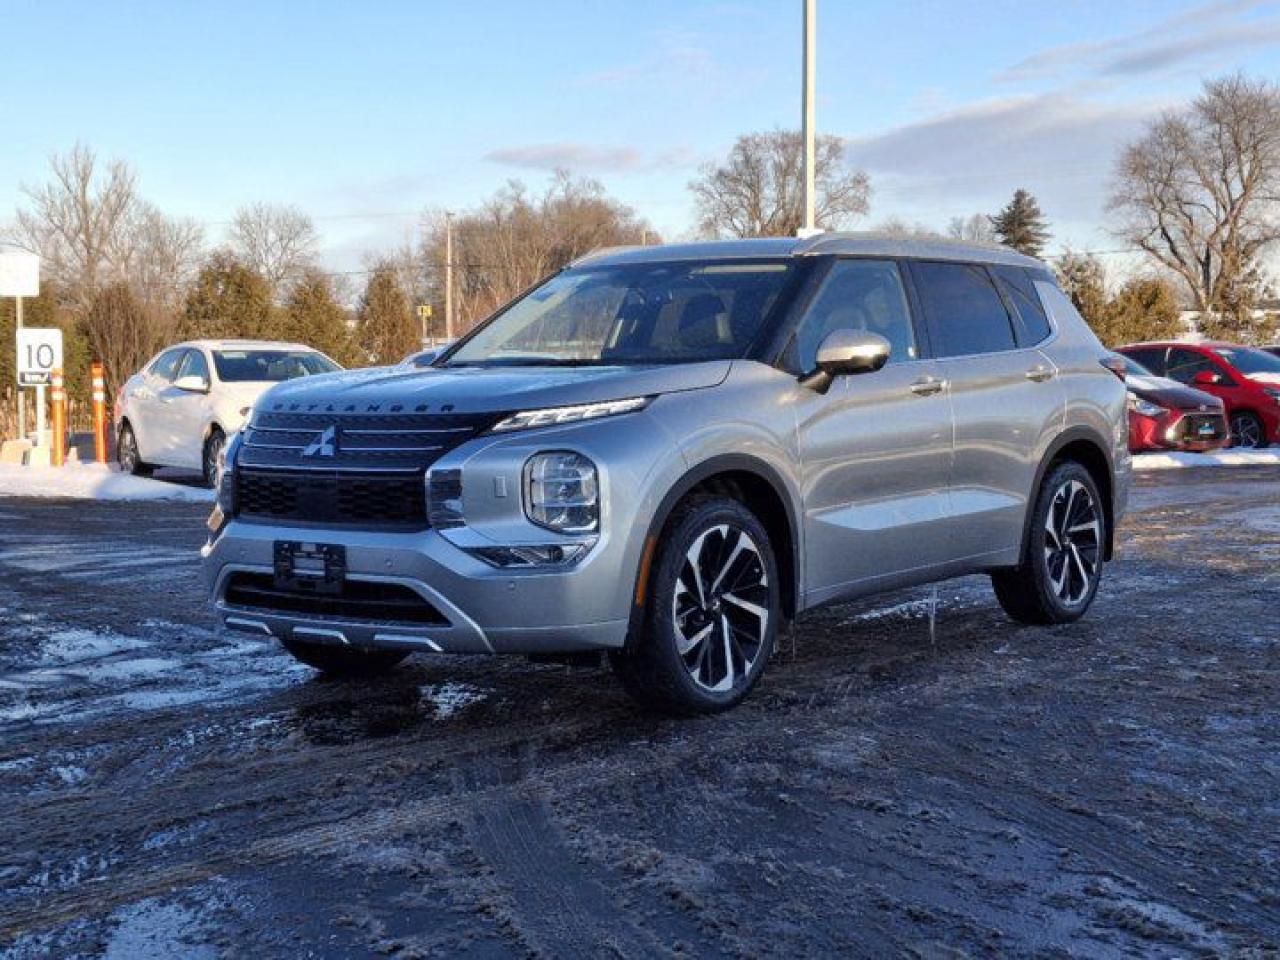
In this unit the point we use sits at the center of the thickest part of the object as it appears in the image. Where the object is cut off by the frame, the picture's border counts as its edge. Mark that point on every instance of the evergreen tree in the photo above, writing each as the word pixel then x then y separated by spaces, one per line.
pixel 1084 282
pixel 1021 225
pixel 312 315
pixel 229 299
pixel 1143 309
pixel 385 326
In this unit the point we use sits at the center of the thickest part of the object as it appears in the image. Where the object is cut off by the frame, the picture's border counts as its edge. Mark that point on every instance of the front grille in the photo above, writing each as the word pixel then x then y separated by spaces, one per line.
pixel 346 466
pixel 358 600
pixel 391 499
pixel 1188 427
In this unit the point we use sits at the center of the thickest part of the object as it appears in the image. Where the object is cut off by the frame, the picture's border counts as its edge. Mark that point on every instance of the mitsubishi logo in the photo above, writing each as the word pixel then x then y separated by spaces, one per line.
pixel 324 445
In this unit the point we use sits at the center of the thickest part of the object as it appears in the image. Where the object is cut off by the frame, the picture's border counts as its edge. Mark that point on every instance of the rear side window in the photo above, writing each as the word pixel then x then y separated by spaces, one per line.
pixel 1019 286
pixel 965 312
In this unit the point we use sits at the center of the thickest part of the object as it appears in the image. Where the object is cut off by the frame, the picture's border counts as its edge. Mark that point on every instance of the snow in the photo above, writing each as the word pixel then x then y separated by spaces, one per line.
pixel 1220 458
pixel 92 481
pixel 451 697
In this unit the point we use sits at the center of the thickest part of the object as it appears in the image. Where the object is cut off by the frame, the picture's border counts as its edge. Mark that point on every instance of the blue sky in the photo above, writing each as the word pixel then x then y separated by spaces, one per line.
pixel 364 114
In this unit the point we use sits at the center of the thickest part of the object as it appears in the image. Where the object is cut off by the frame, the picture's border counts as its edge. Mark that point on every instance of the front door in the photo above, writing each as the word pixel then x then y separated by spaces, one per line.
pixel 876 448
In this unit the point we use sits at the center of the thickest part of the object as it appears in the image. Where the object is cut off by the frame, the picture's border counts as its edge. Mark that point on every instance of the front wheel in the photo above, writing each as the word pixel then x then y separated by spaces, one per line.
pixel 1059 576
pixel 711 613
pixel 1247 431
pixel 344 661
pixel 211 460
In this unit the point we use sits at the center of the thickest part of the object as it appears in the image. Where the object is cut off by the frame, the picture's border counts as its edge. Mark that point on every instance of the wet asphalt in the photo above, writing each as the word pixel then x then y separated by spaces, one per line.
pixel 974 788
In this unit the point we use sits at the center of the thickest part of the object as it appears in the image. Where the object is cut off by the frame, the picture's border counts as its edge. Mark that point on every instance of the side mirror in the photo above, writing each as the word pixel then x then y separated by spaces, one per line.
pixel 192 384
pixel 1207 378
pixel 846 352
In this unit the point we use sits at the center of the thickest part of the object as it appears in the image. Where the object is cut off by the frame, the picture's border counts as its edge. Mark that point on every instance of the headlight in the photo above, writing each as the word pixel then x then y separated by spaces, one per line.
pixel 1144 407
pixel 554 416
pixel 561 492
pixel 225 500
pixel 1273 394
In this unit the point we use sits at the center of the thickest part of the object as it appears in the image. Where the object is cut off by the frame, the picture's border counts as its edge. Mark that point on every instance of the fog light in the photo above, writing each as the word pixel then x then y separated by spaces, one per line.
pixel 533 554
pixel 560 492
pixel 444 499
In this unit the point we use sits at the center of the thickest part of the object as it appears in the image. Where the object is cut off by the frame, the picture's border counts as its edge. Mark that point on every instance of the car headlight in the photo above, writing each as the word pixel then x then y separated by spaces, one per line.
pixel 1144 407
pixel 1272 393
pixel 561 492
pixel 554 416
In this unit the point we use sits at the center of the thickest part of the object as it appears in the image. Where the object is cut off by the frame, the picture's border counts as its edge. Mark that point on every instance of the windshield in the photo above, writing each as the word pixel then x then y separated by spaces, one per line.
pixel 269 366
pixel 1250 361
pixel 1133 368
pixel 637 313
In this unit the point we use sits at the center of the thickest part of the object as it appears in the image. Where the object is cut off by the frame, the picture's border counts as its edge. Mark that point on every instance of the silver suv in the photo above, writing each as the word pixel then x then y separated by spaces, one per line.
pixel 668 452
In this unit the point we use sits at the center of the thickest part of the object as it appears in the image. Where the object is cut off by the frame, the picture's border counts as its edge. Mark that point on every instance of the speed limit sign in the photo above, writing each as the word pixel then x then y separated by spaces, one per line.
pixel 39 354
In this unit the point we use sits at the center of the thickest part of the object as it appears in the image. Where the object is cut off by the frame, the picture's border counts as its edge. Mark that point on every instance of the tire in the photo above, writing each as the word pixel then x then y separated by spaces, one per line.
pixel 1059 575
pixel 210 459
pixel 127 453
pixel 344 661
pixel 1247 431
pixel 726 634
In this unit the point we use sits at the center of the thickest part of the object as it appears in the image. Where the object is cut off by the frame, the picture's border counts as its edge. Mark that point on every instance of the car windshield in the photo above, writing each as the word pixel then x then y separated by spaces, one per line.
pixel 1134 369
pixel 1250 361
pixel 269 366
pixel 636 313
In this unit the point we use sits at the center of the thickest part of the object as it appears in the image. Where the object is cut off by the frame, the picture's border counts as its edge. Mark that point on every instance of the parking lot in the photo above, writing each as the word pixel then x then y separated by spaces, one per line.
pixel 1104 788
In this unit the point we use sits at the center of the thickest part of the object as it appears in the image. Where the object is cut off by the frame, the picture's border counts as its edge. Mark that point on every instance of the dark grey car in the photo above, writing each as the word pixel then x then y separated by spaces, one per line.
pixel 667 452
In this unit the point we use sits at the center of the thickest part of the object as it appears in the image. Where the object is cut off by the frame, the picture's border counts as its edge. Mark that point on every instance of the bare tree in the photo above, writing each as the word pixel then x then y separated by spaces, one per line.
pixel 1198 191
pixel 975 228
pixel 897 227
pixel 758 190
pixel 77 222
pixel 516 238
pixel 120 333
pixel 159 257
pixel 276 240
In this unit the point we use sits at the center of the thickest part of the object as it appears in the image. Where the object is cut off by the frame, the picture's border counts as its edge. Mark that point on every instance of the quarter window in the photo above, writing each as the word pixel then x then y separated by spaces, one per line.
pixel 966 315
pixel 858 295
pixel 1019 287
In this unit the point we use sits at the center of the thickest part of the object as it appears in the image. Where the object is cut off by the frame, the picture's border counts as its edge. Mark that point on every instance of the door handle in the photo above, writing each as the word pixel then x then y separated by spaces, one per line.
pixel 927 386
pixel 1041 372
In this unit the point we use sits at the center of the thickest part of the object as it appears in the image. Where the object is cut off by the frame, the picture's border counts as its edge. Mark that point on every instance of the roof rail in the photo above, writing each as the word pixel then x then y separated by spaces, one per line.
pixel 606 252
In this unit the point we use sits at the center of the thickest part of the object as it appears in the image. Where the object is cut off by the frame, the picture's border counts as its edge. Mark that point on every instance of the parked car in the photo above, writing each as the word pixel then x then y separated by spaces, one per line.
pixel 422 358
pixel 1246 379
pixel 1274 349
pixel 180 408
pixel 668 452
pixel 1165 415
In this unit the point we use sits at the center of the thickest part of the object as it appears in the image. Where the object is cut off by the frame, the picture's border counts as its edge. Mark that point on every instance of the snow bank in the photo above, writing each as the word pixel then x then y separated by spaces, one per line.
pixel 91 481
pixel 1220 458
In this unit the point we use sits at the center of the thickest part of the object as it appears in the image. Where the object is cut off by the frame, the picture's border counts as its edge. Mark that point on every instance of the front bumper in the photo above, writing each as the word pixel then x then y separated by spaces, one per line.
pixel 483 609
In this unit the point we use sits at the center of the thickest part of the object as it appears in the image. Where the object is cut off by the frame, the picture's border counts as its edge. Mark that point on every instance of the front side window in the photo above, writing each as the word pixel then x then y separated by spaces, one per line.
pixel 166 367
pixel 965 312
pixel 269 366
pixel 675 312
pixel 195 365
pixel 1185 364
pixel 858 295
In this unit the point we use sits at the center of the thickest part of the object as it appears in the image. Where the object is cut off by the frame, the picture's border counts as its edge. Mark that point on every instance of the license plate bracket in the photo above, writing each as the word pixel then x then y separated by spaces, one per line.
pixel 310 567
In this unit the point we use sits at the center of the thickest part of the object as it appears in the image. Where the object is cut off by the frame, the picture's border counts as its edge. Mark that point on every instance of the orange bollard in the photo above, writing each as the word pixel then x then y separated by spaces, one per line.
pixel 58 399
pixel 99 413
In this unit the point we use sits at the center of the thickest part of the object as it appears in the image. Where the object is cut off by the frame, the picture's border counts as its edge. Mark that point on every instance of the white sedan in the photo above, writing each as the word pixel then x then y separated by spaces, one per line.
pixel 180 408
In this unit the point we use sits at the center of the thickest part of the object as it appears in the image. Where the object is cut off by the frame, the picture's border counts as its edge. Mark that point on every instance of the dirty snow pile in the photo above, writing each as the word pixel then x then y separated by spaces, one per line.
pixel 1220 458
pixel 91 481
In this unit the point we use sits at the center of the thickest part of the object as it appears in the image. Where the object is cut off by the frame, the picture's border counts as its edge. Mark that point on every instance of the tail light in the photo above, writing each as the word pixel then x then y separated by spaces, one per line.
pixel 1115 365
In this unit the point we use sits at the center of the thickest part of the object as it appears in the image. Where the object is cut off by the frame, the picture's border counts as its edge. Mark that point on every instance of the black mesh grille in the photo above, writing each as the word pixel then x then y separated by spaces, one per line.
pixel 332 498
pixel 357 600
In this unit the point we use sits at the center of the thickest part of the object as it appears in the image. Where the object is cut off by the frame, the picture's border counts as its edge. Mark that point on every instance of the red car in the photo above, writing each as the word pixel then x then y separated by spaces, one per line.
pixel 1165 415
pixel 1246 379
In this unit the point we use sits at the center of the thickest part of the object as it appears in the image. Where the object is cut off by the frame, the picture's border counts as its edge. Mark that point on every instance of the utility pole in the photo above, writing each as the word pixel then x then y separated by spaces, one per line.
pixel 810 57
pixel 22 398
pixel 448 276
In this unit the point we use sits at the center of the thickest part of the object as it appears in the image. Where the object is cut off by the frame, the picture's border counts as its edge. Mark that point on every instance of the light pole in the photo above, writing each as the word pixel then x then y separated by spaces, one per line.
pixel 810 56
pixel 448 276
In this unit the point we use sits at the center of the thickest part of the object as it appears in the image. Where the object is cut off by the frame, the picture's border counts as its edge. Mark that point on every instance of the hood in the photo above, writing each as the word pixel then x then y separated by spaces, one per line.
pixel 491 389
pixel 1271 379
pixel 1171 394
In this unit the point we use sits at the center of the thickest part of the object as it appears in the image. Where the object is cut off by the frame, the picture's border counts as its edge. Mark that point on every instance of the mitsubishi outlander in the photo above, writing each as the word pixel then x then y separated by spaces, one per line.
pixel 667 453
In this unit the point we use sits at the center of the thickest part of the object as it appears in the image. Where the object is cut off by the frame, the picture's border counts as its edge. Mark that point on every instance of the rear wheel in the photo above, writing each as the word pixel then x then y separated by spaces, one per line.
pixel 127 453
pixel 711 614
pixel 212 458
pixel 1247 431
pixel 344 661
pixel 1059 576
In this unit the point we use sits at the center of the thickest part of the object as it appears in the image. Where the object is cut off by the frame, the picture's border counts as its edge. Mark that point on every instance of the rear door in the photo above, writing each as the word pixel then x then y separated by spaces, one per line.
pixel 876 448
pixel 1006 400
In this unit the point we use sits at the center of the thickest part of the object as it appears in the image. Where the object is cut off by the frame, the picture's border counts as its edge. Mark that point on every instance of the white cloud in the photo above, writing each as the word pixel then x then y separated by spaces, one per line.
pixel 588 158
